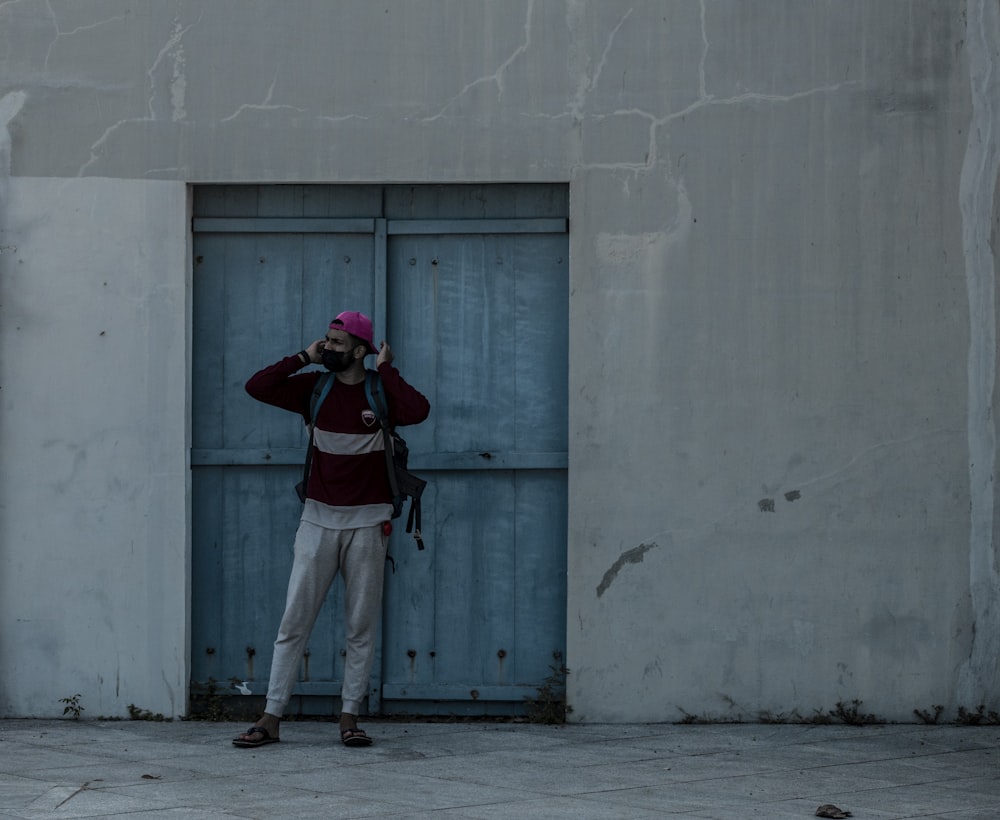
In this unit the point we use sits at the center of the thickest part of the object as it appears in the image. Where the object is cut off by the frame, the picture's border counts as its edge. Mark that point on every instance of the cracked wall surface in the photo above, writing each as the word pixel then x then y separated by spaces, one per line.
pixel 782 318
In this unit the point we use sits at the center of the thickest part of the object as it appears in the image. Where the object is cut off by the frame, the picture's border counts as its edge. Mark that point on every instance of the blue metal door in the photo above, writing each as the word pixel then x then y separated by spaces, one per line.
pixel 476 311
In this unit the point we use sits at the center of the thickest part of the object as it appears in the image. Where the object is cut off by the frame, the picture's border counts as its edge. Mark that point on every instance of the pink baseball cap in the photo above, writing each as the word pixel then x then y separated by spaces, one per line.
pixel 357 324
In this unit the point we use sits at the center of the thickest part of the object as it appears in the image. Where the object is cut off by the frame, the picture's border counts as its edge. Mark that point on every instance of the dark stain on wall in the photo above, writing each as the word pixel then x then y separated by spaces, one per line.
pixel 632 556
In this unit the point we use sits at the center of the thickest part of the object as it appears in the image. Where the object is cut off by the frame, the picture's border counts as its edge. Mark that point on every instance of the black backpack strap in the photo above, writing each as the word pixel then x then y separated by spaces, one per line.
pixel 373 389
pixel 319 394
pixel 320 391
pixel 414 518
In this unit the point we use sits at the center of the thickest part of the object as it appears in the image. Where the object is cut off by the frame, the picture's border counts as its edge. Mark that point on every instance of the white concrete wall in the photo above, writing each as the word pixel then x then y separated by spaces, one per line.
pixel 782 320
pixel 94 537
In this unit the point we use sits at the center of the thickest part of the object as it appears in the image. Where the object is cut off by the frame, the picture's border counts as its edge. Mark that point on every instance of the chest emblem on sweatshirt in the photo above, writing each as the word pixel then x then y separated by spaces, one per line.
pixel 368 417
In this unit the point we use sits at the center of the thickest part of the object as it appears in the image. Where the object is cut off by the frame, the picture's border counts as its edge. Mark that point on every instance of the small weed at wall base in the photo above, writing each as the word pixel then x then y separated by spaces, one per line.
pixel 549 705
pixel 73 706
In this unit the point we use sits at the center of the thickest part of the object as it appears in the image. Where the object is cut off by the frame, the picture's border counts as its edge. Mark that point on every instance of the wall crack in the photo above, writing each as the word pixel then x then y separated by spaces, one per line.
pixel 497 77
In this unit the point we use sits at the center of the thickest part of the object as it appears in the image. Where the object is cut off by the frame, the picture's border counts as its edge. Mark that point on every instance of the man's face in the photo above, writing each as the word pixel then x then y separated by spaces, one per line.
pixel 338 350
pixel 337 340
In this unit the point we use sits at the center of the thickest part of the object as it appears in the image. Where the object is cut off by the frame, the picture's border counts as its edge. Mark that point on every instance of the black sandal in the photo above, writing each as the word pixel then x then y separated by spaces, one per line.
pixel 244 741
pixel 355 737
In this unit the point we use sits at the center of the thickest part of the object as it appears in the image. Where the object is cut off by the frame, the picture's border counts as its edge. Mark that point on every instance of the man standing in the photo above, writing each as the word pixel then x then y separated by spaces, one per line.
pixel 344 524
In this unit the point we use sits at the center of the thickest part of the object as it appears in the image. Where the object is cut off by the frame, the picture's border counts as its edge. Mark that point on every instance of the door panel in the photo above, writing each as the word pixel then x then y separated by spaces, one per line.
pixel 494 310
pixel 257 297
pixel 485 620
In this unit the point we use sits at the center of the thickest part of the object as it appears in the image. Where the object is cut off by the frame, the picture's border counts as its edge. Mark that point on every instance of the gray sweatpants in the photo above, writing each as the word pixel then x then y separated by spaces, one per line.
pixel 359 555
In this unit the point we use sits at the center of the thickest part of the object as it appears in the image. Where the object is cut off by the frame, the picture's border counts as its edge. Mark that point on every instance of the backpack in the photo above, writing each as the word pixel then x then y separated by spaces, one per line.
pixel 402 482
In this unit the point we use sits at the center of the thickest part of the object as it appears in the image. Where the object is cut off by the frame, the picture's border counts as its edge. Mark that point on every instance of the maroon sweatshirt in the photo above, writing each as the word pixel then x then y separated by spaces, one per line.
pixel 348 484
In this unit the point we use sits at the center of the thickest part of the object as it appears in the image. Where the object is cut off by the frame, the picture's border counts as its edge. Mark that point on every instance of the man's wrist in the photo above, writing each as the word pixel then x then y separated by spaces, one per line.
pixel 304 357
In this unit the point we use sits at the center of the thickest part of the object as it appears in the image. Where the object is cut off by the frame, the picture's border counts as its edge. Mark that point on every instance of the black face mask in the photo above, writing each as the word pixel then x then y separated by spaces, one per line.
pixel 337 362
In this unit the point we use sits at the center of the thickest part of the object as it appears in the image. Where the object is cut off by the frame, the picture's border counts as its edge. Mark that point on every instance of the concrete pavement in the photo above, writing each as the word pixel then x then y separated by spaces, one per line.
pixel 182 769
